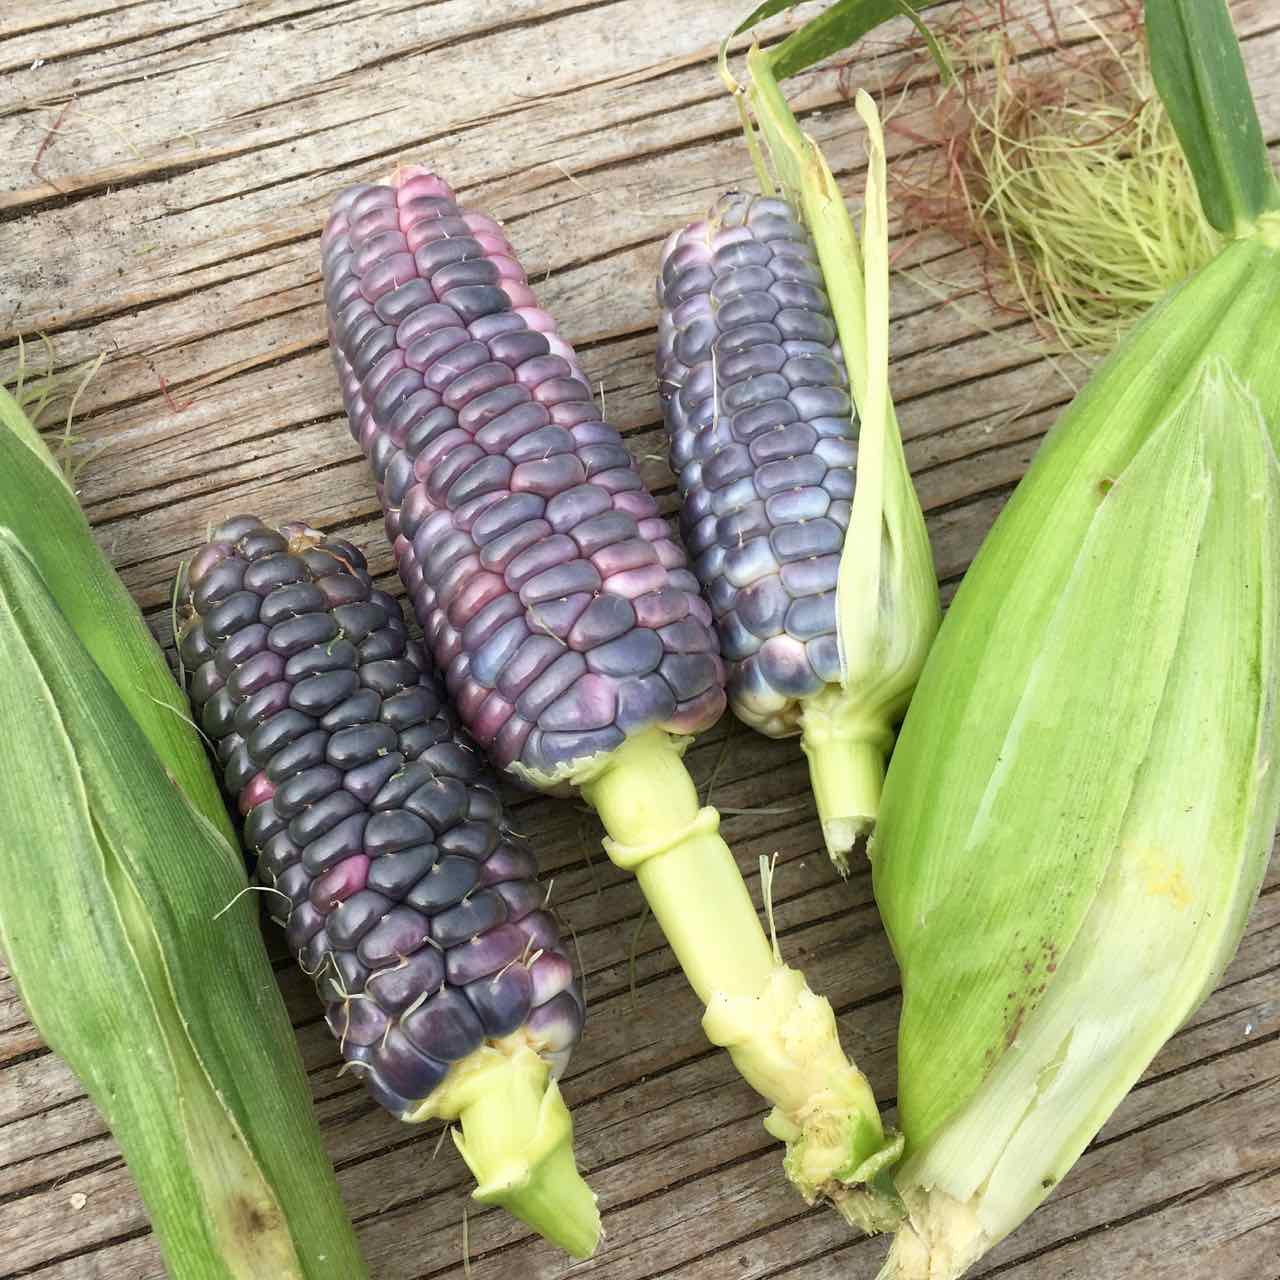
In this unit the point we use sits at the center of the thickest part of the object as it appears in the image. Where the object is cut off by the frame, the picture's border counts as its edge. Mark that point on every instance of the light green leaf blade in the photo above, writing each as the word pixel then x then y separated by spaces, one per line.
pixel 886 594
pixel 1022 564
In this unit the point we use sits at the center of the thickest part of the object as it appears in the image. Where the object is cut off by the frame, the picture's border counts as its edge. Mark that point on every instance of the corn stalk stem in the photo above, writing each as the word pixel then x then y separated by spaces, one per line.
pixel 782 1038
pixel 846 755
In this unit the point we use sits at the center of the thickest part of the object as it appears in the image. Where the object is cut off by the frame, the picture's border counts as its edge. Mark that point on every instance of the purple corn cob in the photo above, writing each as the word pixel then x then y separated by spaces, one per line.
pixel 401 890
pixel 763 444
pixel 549 588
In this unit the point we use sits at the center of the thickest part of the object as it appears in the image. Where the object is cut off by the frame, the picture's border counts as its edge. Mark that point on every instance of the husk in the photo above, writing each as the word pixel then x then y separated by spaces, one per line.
pixel 38 503
pixel 887 602
pixel 1107 841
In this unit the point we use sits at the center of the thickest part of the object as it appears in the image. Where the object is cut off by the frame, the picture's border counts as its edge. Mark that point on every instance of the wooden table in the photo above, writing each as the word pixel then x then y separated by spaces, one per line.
pixel 166 167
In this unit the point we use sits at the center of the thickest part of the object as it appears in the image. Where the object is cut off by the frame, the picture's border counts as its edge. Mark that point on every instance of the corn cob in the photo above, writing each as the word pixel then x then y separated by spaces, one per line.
pixel 468 400
pixel 763 441
pixel 1095 727
pixel 763 445
pixel 570 632
pixel 130 934
pixel 401 889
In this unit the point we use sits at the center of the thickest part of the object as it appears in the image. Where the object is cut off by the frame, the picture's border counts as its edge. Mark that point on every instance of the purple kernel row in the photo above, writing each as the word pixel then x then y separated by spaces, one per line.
pixel 763 443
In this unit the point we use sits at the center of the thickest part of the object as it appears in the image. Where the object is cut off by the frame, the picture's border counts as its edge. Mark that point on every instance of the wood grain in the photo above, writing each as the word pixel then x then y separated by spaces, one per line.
pixel 166 167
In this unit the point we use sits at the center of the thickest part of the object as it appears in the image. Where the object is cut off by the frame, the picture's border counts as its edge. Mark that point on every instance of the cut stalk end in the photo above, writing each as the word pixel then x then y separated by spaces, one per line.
pixel 846 768
pixel 941 1241
pixel 517 1140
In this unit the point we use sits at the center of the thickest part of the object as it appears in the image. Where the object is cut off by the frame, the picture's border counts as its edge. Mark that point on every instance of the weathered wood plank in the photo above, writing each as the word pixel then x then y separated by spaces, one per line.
pixel 173 223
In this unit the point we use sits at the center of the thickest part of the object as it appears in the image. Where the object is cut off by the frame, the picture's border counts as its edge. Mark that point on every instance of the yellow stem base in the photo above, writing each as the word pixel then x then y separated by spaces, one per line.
pixel 846 757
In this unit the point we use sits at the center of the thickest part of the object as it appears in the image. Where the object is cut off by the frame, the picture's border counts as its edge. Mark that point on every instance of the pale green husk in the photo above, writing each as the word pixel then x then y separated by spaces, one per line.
pixel 128 927
pixel 1103 831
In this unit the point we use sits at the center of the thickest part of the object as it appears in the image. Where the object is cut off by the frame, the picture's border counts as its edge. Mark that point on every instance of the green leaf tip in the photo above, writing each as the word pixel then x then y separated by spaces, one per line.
pixel 1200 75
pixel 836 28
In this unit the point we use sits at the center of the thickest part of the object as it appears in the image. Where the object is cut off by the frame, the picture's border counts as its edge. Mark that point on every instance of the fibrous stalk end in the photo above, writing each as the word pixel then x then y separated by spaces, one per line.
pixel 785 1043
pixel 941 1239
pixel 782 1037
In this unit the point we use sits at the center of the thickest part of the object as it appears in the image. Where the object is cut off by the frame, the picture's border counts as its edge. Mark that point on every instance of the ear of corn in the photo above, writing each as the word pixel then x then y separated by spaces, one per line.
pixel 38 504
pixel 402 891
pixel 886 593
pixel 822 584
pixel 136 950
pixel 1083 797
pixel 1104 830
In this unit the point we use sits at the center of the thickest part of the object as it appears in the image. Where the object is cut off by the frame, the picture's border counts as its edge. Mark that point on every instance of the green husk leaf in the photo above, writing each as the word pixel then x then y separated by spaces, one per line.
pixel 38 505
pixel 973 680
pixel 135 946
pixel 1200 75
pixel 1053 772
pixel 887 591
pixel 1167 891
pixel 838 27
